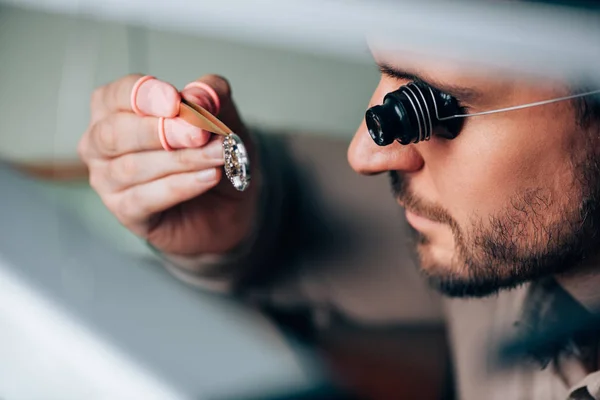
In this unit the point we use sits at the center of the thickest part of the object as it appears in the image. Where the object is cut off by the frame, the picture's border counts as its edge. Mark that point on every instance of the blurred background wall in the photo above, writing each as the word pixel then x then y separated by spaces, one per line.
pixel 50 63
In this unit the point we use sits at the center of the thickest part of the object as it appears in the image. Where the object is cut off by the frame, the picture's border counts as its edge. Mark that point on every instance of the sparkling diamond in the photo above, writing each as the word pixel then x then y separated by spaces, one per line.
pixel 237 165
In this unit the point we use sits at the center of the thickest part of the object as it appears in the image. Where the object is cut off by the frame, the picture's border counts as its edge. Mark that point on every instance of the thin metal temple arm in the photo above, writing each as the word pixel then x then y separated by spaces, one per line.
pixel 539 103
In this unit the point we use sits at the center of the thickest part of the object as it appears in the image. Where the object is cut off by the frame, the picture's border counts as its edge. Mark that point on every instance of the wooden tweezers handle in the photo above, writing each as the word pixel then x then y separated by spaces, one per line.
pixel 199 117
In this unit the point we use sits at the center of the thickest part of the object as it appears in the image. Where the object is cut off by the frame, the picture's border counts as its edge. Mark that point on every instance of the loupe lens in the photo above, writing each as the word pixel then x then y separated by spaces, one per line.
pixel 389 122
pixel 374 119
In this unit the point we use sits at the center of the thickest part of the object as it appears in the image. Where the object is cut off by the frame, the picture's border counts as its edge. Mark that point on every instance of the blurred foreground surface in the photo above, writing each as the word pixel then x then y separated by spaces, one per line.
pixel 80 319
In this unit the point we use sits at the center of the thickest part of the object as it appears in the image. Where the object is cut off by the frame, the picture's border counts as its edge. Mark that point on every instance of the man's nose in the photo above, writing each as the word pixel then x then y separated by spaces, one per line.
pixel 367 158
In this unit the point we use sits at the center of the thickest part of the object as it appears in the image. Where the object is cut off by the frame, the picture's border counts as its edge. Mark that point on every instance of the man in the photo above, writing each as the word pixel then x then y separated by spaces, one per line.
pixel 509 208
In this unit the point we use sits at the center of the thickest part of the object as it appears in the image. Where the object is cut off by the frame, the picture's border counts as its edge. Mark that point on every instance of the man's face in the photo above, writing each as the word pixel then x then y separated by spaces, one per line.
pixel 514 197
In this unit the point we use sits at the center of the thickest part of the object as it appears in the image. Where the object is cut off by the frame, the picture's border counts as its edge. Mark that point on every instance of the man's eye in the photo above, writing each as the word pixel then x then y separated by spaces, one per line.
pixel 451 103
pixel 462 108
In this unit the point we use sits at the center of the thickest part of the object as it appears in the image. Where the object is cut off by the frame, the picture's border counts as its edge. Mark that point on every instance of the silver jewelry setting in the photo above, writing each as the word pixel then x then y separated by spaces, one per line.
pixel 237 163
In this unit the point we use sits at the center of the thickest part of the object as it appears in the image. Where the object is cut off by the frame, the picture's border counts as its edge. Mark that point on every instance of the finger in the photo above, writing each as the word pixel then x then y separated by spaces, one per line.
pixel 203 94
pixel 211 86
pixel 124 133
pixel 227 111
pixel 139 203
pixel 153 97
pixel 180 134
pixel 139 168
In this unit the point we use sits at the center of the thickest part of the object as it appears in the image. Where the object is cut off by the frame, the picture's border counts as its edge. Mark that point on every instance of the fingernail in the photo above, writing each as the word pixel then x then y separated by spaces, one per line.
pixel 158 98
pixel 206 175
pixel 214 150
pixel 181 134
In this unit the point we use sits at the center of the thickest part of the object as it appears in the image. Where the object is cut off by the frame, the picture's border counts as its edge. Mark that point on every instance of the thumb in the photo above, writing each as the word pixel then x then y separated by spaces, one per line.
pixel 154 97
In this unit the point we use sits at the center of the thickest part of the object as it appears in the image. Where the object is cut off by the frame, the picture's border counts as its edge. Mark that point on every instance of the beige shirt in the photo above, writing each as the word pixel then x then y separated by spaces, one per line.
pixel 369 276
pixel 476 325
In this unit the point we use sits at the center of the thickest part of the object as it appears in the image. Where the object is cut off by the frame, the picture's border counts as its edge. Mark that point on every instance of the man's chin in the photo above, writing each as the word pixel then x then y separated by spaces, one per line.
pixel 459 287
pixel 433 258
pixel 444 273
pixel 454 278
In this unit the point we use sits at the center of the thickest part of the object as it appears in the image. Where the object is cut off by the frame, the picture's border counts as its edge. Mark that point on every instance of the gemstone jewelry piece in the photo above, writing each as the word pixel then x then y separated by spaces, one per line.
pixel 237 164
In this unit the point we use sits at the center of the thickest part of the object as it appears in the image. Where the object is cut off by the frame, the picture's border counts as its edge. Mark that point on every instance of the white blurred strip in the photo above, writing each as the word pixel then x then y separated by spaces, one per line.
pixel 530 37
pixel 45 354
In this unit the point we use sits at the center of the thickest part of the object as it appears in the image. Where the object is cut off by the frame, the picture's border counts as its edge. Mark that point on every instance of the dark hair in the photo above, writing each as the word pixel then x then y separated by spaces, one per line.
pixel 588 108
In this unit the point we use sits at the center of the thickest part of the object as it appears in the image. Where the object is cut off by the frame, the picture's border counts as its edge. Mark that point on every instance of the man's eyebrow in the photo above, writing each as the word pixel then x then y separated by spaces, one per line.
pixel 463 94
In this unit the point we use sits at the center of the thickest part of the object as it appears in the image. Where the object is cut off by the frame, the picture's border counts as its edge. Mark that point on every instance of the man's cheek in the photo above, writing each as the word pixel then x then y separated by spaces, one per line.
pixel 487 180
pixel 475 175
pixel 475 194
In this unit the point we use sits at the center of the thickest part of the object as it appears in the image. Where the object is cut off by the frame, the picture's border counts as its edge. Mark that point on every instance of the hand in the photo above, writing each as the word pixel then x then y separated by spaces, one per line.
pixel 179 201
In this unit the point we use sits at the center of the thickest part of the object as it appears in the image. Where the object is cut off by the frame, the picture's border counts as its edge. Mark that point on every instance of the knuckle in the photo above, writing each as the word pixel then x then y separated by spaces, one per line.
pixel 186 159
pixel 99 177
pixel 133 206
pixel 84 145
pixel 113 203
pixel 82 148
pixel 176 187
pixel 124 170
pixel 110 95
pixel 106 136
pixel 96 180
pixel 124 207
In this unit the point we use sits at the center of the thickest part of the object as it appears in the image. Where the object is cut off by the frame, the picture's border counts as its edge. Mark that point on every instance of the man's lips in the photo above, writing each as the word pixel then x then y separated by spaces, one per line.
pixel 419 222
pixel 417 219
pixel 410 210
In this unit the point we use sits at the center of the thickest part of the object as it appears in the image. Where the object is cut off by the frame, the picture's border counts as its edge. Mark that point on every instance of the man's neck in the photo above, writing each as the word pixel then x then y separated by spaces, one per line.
pixel 583 283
